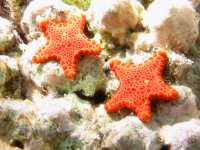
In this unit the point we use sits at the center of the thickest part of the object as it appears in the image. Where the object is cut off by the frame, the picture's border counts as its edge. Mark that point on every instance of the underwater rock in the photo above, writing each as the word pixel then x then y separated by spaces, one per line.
pixel 10 78
pixel 90 76
pixel 7 38
pixel 43 119
pixel 178 66
pixel 175 26
pixel 144 41
pixel 184 135
pixel 90 130
pixel 38 10
pixel 182 109
pixel 115 16
pixel 15 8
pixel 196 4
pixel 129 133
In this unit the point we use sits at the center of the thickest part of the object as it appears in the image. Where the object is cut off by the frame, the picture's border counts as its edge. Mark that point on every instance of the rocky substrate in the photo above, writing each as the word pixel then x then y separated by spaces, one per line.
pixel 40 109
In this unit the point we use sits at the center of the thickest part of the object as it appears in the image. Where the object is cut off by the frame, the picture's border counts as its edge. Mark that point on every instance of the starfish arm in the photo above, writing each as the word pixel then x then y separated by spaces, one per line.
pixel 157 62
pixel 92 50
pixel 78 23
pixel 166 92
pixel 115 103
pixel 44 54
pixel 119 68
pixel 69 67
pixel 143 111
pixel 44 25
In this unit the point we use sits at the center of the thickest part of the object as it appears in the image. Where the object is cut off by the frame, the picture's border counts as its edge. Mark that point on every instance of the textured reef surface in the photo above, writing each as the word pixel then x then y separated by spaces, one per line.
pixel 99 75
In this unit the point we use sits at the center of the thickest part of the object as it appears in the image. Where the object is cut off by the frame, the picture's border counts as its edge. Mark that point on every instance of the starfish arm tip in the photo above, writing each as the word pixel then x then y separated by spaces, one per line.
pixel 113 105
pixel 43 25
pixel 173 94
pixel 114 63
pixel 144 113
pixel 70 74
pixel 35 59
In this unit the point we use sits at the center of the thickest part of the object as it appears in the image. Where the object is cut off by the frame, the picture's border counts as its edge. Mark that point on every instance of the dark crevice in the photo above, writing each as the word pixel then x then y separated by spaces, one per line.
pixel 17 143
pixel 165 147
pixel 22 35
pixel 106 70
pixel 99 97
pixel 88 32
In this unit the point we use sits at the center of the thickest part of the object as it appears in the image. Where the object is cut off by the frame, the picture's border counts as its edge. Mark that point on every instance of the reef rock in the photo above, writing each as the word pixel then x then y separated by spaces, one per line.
pixel 115 16
pixel 10 78
pixel 129 133
pixel 183 135
pixel 182 109
pixel 7 38
pixel 15 8
pixel 178 66
pixel 175 26
pixel 43 120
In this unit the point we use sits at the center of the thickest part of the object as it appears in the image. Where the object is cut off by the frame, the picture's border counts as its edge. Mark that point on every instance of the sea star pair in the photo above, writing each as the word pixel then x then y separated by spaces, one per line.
pixel 138 84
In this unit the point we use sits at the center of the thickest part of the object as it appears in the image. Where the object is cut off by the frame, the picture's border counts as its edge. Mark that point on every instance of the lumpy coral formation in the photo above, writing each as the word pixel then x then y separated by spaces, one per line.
pixel 139 85
pixel 66 42
pixel 166 25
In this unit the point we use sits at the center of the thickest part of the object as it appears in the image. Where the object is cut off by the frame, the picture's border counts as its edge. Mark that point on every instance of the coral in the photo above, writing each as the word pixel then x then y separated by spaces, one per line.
pixel 66 42
pixel 10 78
pixel 46 120
pixel 70 144
pixel 175 26
pixel 7 38
pixel 15 7
pixel 109 17
pixel 184 135
pixel 127 133
pixel 181 110
pixel 139 85
pixel 84 4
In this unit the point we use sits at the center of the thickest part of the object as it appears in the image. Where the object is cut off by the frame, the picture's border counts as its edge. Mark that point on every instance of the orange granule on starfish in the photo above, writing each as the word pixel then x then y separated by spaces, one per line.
pixel 66 42
pixel 139 85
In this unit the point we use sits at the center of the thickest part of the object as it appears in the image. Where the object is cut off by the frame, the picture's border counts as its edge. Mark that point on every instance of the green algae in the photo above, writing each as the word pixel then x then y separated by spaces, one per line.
pixel 70 144
pixel 83 4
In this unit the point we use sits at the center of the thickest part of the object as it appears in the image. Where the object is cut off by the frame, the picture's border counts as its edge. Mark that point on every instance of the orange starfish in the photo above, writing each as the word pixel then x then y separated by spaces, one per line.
pixel 66 42
pixel 139 85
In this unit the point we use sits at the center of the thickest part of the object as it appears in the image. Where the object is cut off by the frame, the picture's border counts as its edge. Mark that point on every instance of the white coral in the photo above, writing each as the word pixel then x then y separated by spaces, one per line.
pixel 183 108
pixel 184 135
pixel 7 37
pixel 127 133
pixel 115 16
pixel 173 22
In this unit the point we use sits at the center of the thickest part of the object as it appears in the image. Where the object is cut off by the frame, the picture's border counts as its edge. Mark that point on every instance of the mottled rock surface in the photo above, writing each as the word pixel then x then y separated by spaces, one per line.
pixel 7 38
pixel 166 24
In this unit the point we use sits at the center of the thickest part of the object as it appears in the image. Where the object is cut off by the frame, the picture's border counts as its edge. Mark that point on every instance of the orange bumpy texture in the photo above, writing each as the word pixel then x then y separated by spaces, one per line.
pixel 66 42
pixel 139 85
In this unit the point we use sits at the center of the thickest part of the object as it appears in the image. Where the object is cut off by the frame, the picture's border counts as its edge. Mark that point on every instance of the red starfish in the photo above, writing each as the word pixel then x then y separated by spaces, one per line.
pixel 139 85
pixel 66 42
